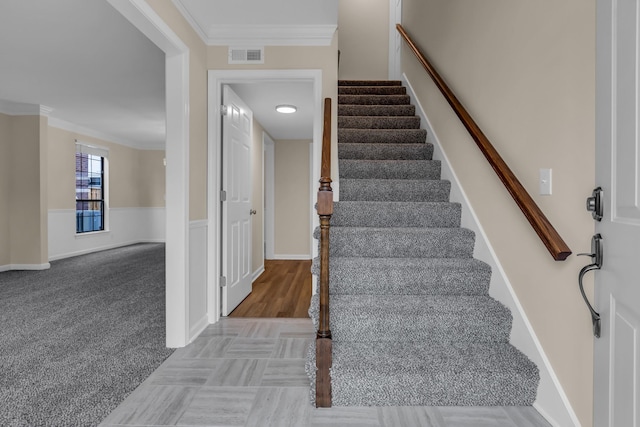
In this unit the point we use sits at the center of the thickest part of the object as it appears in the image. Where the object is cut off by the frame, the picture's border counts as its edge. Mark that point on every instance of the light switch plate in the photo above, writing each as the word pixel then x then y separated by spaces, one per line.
pixel 545 182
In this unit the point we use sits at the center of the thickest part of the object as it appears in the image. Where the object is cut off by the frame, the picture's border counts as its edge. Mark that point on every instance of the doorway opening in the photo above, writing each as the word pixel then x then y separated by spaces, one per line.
pixel 252 79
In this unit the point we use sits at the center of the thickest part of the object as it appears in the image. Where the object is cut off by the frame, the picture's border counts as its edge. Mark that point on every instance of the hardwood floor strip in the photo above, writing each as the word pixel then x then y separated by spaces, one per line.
pixel 283 290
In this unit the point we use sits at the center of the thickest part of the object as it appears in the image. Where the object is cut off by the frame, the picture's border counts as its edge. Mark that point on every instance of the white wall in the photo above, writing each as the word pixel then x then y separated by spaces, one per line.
pixel 126 226
pixel 198 316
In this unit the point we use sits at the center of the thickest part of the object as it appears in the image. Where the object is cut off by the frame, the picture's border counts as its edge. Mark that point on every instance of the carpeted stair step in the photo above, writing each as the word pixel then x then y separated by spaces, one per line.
pixel 395 214
pixel 398 190
pixel 434 318
pixel 372 90
pixel 386 151
pixel 389 169
pixel 431 374
pixel 400 242
pixel 407 276
pixel 374 99
pixel 411 318
pixel 376 110
pixel 394 136
pixel 369 83
pixel 378 122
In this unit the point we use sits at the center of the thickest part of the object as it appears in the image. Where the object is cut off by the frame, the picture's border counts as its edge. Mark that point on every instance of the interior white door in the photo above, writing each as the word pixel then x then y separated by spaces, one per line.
pixel 236 206
pixel 617 285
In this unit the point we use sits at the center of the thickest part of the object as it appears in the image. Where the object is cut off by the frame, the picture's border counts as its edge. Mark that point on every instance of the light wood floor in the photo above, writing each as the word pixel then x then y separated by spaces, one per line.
pixel 250 372
pixel 283 290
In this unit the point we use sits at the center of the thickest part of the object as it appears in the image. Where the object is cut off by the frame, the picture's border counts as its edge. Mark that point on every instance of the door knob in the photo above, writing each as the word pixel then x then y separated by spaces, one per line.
pixel 595 204
pixel 252 212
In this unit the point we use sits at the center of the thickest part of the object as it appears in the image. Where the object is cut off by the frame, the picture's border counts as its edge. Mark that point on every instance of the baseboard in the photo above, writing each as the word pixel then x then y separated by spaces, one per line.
pixel 34 267
pixel 102 248
pixel 257 273
pixel 551 401
pixel 196 329
pixel 301 257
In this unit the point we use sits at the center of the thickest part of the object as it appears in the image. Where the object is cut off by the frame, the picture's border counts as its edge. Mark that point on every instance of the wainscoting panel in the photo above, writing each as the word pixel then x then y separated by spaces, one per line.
pixel 126 226
pixel 197 307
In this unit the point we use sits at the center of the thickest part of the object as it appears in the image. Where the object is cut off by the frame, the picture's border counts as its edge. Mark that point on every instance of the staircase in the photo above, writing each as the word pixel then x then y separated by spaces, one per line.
pixel 411 318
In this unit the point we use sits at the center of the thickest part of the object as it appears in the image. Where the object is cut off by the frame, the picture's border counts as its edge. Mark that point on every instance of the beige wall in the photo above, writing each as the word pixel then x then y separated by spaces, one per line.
pixel 197 106
pixel 257 198
pixel 525 71
pixel 37 173
pixel 292 198
pixel 5 176
pixel 151 191
pixel 364 39
pixel 324 58
pixel 136 177
pixel 202 58
pixel 26 169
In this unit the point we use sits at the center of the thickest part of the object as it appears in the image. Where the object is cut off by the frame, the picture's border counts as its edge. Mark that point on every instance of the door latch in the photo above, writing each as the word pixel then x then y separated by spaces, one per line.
pixel 595 204
pixel 596 264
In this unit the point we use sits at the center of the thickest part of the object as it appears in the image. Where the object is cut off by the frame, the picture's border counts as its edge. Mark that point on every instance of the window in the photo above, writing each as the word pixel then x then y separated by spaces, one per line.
pixel 90 188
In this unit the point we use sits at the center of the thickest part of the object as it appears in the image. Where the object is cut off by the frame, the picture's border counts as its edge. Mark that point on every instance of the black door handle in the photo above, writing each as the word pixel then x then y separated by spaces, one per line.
pixel 596 255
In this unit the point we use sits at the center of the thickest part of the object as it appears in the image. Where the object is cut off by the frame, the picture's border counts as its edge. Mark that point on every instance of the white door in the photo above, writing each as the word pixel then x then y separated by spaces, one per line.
pixel 617 285
pixel 236 205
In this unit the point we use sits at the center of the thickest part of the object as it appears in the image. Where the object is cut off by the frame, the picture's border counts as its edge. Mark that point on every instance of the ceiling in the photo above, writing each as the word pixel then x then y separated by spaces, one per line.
pixel 100 76
pixel 262 99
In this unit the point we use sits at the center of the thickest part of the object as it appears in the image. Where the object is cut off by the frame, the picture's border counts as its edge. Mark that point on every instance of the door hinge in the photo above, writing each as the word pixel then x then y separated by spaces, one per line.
pixel 223 281
pixel 223 110
pixel 223 195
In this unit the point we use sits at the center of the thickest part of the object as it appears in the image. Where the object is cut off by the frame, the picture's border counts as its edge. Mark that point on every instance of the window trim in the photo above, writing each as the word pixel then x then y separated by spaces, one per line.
pixel 103 152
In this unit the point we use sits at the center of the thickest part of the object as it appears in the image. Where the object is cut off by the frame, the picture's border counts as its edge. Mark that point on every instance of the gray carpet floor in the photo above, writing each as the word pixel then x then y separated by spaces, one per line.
pixel 76 339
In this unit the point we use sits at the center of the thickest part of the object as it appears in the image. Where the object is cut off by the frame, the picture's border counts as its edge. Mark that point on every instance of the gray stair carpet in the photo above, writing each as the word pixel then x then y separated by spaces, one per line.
pixel 412 321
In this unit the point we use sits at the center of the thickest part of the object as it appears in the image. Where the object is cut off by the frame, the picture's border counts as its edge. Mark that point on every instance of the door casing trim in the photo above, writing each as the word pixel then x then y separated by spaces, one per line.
pixel 216 79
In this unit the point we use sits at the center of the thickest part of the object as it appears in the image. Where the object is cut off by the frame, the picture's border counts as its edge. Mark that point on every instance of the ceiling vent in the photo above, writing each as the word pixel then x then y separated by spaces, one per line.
pixel 246 55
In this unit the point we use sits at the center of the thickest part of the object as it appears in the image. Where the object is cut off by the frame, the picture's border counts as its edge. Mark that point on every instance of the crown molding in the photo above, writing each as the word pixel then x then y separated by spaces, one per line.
pixel 270 35
pixel 191 20
pixel 45 111
pixel 72 127
pixel 11 108
pixel 259 35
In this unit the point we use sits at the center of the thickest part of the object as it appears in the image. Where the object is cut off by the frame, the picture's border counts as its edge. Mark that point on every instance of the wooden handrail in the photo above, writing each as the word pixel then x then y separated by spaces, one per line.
pixel 325 210
pixel 549 236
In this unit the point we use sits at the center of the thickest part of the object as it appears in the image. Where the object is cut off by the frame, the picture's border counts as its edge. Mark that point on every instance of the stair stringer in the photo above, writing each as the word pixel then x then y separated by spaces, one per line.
pixel 551 400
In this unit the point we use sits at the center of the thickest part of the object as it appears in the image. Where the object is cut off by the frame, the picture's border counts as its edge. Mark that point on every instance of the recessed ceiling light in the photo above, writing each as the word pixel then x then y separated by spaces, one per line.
pixel 286 109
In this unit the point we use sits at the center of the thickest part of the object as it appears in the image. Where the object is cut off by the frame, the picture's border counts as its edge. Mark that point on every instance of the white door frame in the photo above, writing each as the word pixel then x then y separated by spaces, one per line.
pixel 145 19
pixel 269 195
pixel 218 78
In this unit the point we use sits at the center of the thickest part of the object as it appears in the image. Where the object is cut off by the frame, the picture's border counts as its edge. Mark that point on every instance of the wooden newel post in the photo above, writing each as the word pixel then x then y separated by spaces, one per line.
pixel 325 210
